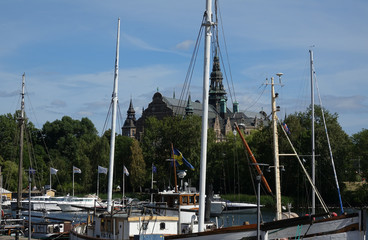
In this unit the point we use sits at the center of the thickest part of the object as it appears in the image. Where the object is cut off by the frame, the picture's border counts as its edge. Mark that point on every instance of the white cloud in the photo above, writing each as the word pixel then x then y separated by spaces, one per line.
pixel 185 45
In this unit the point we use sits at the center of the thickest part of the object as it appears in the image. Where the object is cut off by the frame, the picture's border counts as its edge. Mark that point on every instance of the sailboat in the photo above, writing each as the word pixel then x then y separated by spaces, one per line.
pixel 322 226
pixel 286 226
pixel 125 225
pixel 132 220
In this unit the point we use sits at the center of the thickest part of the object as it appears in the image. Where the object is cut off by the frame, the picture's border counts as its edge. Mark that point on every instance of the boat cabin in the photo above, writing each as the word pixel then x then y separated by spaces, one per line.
pixel 173 200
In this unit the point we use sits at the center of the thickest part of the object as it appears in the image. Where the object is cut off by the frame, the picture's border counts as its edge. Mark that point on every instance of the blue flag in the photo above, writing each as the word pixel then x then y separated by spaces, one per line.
pixel 154 169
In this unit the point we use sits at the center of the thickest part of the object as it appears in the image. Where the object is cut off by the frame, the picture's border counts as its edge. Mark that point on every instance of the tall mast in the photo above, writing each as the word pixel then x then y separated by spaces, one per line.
pixel 276 149
pixel 20 166
pixel 21 136
pixel 313 136
pixel 114 102
pixel 206 77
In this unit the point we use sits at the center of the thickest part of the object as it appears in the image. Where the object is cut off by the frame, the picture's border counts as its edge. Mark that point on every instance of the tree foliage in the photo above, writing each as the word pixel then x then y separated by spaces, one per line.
pixel 360 152
pixel 65 143
pixel 181 133
pixel 299 125
pixel 137 166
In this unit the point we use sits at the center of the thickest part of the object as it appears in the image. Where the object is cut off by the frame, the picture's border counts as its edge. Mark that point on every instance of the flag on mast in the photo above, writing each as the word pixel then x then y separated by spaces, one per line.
pixel 76 170
pixel 53 171
pixel 102 170
pixel 126 172
pixel 178 156
pixel 154 168
pixel 286 128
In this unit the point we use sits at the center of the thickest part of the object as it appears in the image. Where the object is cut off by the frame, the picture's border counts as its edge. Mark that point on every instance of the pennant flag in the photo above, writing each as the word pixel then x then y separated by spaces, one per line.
pixel 53 170
pixel 154 168
pixel 126 171
pixel 102 170
pixel 178 156
pixel 76 170
pixel 286 128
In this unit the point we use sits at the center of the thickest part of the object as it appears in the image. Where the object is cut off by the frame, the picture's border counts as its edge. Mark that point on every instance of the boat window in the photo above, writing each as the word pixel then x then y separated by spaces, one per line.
pixel 197 199
pixel 145 225
pixel 108 225
pixel 162 226
pixel 57 229
pixel 184 200
pixel 191 199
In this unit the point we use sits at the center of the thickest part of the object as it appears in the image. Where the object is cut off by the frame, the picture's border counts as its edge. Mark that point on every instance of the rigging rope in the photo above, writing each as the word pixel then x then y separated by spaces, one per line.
pixel 305 171
pixel 257 99
pixel 231 88
pixel 42 136
pixel 329 146
pixel 188 78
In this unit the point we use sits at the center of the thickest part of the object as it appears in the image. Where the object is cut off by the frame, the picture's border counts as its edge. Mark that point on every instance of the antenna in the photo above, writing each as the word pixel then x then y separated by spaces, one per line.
pixel 279 75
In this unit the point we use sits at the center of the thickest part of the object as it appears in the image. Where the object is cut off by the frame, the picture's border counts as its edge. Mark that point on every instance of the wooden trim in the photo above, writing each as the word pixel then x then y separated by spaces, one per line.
pixel 153 218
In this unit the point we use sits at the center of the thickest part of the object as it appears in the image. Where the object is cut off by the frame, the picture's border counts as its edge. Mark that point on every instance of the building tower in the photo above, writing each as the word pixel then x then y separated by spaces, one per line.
pixel 129 128
pixel 217 92
pixel 189 108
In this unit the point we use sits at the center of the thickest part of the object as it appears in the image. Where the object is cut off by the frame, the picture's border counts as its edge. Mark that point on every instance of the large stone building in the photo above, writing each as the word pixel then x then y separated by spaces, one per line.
pixel 220 118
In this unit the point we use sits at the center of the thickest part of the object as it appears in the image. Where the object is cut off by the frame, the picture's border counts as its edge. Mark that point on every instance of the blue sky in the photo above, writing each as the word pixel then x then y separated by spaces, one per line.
pixel 67 50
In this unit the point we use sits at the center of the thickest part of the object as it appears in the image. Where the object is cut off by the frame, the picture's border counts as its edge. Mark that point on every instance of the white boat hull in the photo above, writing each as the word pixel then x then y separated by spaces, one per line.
pixel 343 227
pixel 125 228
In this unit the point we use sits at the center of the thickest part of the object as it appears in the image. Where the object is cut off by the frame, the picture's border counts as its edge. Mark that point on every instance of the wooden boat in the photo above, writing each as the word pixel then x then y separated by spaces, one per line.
pixel 50 230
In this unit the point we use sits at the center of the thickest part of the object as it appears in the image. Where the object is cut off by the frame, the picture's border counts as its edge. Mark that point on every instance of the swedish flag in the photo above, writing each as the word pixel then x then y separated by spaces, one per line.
pixel 178 156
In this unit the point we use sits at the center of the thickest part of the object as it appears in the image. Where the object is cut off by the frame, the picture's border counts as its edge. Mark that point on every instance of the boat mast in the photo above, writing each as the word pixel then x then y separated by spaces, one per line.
pixel 276 149
pixel 20 166
pixel 113 122
pixel 21 136
pixel 206 77
pixel 313 135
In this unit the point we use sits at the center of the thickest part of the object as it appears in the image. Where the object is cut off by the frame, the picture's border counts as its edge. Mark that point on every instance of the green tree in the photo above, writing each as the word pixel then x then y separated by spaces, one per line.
pixel 8 137
pixel 70 143
pixel 10 173
pixel 300 128
pixel 184 134
pixel 360 152
pixel 137 167
pixel 122 158
pixel 99 156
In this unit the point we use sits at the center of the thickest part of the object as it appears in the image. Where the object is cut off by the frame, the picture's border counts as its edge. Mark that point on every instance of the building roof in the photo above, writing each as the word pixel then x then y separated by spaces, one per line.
pixel 178 107
pixel 3 190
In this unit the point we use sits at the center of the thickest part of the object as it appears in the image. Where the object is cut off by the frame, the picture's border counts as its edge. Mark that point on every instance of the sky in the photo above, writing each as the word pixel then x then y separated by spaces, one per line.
pixel 67 51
